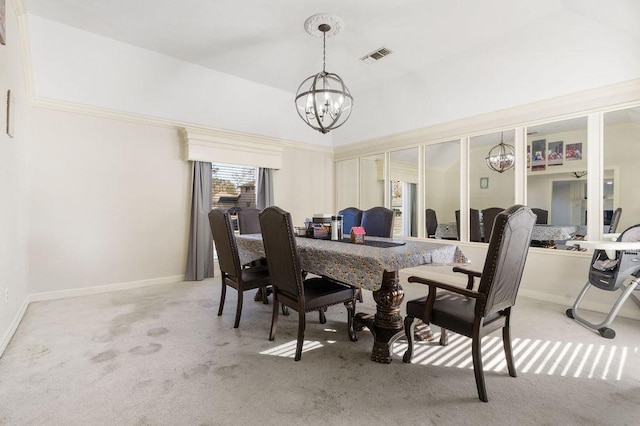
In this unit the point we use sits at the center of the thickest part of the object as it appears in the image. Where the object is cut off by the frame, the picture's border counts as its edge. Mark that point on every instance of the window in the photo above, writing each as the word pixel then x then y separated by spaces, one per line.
pixel 233 187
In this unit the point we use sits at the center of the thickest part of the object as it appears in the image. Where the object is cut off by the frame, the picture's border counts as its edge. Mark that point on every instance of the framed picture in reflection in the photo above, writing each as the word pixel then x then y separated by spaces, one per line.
pixel 538 149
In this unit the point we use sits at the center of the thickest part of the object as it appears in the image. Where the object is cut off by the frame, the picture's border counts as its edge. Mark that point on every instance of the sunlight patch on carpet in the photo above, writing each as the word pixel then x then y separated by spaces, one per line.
pixel 288 350
pixel 565 359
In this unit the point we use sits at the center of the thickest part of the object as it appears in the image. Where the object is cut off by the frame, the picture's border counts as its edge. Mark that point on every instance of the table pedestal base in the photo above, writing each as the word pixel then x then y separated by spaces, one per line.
pixel 387 324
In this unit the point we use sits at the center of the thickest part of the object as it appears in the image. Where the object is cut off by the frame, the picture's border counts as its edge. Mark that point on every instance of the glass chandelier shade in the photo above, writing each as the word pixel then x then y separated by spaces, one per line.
pixel 323 101
pixel 501 157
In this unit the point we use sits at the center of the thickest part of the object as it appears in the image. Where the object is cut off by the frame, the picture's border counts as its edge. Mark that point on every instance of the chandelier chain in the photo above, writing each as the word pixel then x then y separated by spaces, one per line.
pixel 324 52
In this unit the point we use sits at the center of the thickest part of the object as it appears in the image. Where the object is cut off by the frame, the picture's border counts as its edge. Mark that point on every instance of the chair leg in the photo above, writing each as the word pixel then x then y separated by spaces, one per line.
pixel 236 324
pixel 508 352
pixel 274 318
pixel 359 295
pixel 301 326
pixel 444 338
pixel 265 296
pixel 351 311
pixel 409 327
pixel 323 318
pixel 223 294
pixel 477 367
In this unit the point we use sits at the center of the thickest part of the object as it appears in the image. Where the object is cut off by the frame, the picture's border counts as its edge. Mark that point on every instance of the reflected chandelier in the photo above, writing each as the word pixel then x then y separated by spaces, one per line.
pixel 322 100
pixel 501 157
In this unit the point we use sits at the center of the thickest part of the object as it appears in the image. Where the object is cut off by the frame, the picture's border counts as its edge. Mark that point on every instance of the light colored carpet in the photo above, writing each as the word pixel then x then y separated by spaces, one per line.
pixel 160 355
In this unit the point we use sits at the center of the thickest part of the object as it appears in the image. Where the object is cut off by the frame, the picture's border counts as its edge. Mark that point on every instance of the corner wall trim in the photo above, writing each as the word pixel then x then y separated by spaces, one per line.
pixel 4 342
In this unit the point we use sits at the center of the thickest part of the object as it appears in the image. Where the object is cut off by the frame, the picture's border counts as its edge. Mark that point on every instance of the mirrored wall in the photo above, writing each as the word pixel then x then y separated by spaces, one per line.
pixel 346 182
pixel 372 178
pixel 621 151
pixel 490 191
pixel 557 175
pixel 574 172
pixel 403 191
pixel 442 189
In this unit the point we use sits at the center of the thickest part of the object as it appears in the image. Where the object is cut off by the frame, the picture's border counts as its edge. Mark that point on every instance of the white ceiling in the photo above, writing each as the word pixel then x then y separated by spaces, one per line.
pixel 265 41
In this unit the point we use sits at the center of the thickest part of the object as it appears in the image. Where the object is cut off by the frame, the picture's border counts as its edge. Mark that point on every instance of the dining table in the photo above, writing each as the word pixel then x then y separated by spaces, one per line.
pixel 374 266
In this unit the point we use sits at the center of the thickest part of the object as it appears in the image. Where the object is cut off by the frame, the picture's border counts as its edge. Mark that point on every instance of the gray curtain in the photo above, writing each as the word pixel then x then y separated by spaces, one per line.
pixel 200 249
pixel 264 188
pixel 414 210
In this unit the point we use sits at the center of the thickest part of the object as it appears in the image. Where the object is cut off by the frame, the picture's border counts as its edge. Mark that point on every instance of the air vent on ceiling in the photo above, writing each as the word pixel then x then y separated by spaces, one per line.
pixel 376 55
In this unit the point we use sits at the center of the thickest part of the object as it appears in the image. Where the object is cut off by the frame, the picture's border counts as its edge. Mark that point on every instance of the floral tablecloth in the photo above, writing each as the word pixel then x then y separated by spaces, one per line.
pixel 357 264
pixel 553 232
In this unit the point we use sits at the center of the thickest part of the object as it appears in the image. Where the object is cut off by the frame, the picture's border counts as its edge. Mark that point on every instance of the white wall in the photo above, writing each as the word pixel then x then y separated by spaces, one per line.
pixel 83 68
pixel 13 183
pixel 108 202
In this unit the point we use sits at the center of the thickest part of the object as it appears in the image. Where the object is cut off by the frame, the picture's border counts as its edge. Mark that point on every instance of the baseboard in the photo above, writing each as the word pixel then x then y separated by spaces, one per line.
pixel 14 326
pixel 627 312
pixel 85 291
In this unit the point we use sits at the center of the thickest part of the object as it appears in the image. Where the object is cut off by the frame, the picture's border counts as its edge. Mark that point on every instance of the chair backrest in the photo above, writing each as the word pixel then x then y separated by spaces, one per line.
pixel 431 221
pixel 248 222
pixel 281 251
pixel 488 216
pixel 223 238
pixel 615 220
pixel 475 234
pixel 378 222
pixel 351 216
pixel 542 216
pixel 506 257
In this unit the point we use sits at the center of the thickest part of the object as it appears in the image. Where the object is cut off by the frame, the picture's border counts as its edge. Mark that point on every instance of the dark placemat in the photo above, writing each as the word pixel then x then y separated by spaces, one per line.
pixel 372 243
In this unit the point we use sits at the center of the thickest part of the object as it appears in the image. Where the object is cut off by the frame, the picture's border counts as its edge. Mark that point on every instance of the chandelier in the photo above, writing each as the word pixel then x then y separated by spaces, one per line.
pixel 322 100
pixel 501 157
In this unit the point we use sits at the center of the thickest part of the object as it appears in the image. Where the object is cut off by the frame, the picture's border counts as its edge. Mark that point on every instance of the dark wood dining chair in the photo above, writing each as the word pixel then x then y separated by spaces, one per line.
pixel 232 273
pixel 248 222
pixel 542 216
pixel 289 286
pixel 488 216
pixel 431 222
pixel 475 233
pixel 378 222
pixel 351 216
pixel 476 313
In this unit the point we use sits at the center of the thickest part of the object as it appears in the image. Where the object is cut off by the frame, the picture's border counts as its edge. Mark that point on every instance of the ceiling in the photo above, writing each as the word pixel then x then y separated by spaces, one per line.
pixel 265 41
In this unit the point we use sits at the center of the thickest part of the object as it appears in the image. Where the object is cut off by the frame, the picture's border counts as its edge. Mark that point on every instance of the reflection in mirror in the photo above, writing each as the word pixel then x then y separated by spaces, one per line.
pixel 346 180
pixel 488 188
pixel 371 181
pixel 621 152
pixel 442 189
pixel 557 179
pixel 403 175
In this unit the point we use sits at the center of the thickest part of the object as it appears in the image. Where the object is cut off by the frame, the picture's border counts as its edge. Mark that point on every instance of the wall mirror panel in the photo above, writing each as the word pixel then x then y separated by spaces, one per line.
pixel 372 181
pixel 442 189
pixel 346 184
pixel 489 190
pixel 557 179
pixel 403 177
pixel 621 148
